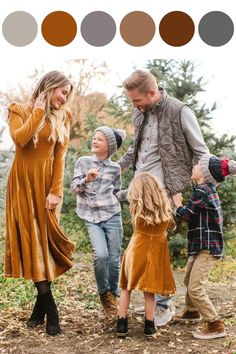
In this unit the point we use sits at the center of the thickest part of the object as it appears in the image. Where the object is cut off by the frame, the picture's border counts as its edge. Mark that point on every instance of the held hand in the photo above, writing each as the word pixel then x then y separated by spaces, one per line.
pixel 91 175
pixel 52 201
pixel 40 101
pixel 177 199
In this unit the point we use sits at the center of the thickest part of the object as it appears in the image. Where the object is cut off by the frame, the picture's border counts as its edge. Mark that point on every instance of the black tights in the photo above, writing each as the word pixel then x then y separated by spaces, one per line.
pixel 43 287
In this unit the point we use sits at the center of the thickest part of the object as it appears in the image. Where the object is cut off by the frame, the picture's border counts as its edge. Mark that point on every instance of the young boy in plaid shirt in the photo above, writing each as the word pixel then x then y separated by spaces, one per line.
pixel 97 182
pixel 204 216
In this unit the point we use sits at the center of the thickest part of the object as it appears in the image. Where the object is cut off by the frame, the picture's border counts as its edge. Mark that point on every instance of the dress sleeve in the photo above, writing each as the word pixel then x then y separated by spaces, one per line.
pixel 59 165
pixel 23 131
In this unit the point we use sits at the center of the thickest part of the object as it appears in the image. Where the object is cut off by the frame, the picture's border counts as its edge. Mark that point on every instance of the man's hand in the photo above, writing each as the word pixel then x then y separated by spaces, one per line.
pixel 177 199
pixel 91 175
pixel 52 201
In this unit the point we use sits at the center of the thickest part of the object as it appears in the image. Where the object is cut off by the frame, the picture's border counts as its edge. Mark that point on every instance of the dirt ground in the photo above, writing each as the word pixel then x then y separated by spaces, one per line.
pixel 86 330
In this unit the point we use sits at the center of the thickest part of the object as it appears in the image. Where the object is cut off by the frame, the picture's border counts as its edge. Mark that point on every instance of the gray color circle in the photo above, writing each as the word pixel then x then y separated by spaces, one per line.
pixel 19 28
pixel 216 28
pixel 98 28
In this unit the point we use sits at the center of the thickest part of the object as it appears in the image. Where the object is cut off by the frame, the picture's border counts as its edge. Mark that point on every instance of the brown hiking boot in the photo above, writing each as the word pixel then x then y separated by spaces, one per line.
pixel 210 330
pixel 109 304
pixel 186 315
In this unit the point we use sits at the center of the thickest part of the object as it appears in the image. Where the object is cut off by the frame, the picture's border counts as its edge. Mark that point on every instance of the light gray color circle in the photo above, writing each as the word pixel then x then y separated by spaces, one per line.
pixel 19 28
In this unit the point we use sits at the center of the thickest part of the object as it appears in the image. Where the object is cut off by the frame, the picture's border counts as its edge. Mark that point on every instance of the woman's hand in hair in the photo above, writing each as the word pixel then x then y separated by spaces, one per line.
pixel 40 101
pixel 52 201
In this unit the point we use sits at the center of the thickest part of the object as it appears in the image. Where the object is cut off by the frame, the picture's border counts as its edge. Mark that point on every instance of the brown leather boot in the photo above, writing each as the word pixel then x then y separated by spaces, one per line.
pixel 186 315
pixel 210 330
pixel 109 304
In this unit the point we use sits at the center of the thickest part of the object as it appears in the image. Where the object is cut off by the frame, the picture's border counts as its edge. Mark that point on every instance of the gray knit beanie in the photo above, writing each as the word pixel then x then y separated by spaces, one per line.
pixel 214 169
pixel 114 138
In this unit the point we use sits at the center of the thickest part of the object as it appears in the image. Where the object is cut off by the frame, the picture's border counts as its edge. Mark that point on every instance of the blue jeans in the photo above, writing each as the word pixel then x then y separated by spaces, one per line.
pixel 163 301
pixel 106 238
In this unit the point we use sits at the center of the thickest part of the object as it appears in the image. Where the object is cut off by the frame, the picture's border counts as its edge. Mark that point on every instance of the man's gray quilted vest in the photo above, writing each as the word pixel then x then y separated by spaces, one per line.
pixel 176 155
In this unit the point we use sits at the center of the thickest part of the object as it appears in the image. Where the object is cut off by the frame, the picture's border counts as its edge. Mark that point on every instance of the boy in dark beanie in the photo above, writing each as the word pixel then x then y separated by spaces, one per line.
pixel 203 214
pixel 97 183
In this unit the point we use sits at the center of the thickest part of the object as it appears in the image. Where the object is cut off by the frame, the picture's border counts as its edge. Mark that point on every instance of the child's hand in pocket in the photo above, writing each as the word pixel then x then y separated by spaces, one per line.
pixel 91 175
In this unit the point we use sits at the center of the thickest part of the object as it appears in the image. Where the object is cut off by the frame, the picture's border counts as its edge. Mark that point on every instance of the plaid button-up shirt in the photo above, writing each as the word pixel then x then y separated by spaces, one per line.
pixel 205 220
pixel 96 200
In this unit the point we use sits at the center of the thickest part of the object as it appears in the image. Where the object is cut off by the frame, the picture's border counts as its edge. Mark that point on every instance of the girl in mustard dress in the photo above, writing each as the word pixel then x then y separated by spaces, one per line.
pixel 35 246
pixel 146 262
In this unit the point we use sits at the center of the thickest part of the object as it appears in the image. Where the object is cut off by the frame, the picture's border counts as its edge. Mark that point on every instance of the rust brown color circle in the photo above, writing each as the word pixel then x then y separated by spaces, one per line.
pixel 176 28
pixel 137 28
pixel 59 28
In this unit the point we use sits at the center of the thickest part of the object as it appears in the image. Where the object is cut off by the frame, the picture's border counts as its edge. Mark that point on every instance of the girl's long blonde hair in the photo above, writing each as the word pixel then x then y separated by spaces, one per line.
pixel 56 117
pixel 148 200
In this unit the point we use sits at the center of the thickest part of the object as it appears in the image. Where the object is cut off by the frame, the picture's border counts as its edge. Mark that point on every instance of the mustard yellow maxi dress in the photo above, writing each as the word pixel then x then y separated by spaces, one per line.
pixel 35 247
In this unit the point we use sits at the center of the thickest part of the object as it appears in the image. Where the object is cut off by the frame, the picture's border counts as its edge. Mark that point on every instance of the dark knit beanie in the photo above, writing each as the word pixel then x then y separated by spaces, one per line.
pixel 214 169
pixel 114 138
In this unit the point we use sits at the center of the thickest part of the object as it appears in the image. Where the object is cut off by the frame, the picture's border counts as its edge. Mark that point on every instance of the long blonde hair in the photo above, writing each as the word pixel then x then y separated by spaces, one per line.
pixel 56 117
pixel 148 200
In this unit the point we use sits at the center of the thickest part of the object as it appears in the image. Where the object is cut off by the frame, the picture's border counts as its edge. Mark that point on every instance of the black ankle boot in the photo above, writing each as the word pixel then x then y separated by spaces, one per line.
pixel 149 328
pixel 122 327
pixel 52 325
pixel 38 314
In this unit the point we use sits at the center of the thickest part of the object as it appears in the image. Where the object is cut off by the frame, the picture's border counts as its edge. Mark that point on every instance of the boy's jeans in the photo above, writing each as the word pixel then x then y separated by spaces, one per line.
pixel 106 238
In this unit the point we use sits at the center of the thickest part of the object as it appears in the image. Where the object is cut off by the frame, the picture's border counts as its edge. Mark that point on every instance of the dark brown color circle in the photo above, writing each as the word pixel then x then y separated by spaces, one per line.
pixel 59 28
pixel 176 28
pixel 137 28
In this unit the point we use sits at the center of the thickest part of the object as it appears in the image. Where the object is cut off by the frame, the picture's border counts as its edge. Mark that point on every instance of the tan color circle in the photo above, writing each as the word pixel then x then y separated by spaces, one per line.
pixel 59 28
pixel 137 28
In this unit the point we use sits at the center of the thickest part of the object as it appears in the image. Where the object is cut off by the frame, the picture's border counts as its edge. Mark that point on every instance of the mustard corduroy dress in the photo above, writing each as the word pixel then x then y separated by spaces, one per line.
pixel 35 247
pixel 146 262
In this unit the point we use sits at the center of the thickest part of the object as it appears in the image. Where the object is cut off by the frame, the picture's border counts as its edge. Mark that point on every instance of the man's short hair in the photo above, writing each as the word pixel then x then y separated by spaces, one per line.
pixel 140 80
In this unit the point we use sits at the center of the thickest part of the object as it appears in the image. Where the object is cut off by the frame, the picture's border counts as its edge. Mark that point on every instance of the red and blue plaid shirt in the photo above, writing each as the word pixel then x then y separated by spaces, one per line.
pixel 204 216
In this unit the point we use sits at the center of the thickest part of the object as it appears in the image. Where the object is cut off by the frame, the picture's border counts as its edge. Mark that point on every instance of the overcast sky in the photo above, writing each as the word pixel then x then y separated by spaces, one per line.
pixel 220 85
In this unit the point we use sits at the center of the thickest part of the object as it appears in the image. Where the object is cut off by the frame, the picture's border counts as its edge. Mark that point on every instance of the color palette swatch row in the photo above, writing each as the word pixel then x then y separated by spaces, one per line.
pixel 137 28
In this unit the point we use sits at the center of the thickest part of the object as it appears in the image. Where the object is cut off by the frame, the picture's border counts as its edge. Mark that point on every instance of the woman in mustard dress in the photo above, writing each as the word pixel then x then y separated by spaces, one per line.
pixel 146 262
pixel 35 246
